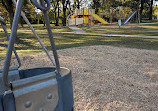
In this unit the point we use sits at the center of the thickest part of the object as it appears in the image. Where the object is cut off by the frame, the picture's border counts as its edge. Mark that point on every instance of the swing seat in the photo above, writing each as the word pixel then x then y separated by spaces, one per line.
pixel 37 89
pixel 34 86
pixel 13 75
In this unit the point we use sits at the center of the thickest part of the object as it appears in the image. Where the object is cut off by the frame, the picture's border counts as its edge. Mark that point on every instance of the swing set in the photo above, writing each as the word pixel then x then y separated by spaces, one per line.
pixel 37 89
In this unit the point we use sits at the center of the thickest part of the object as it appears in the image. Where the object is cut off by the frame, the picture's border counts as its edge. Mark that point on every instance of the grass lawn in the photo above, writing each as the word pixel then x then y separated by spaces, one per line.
pixel 150 29
pixel 42 27
pixel 54 28
pixel 27 44
pixel 149 26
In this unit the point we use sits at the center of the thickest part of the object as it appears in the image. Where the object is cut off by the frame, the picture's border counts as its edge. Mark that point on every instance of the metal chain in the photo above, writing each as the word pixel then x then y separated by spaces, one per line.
pixel 5 31
pixel 14 33
pixel 46 19
pixel 36 35
pixel 11 43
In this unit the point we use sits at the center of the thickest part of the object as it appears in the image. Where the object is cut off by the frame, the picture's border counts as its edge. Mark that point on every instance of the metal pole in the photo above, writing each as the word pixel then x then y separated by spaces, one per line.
pixel 11 43
pixel 2 21
pixel 34 32
pixel 16 55
pixel 83 15
pixel 46 18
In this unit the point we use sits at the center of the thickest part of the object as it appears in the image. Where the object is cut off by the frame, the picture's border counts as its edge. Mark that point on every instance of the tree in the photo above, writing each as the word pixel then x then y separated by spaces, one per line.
pixel 138 5
pixel 78 3
pixel 96 5
pixel 56 10
pixel 151 10
pixel 110 8
pixel 64 4
pixel 8 5
pixel 141 9
pixel 3 13
pixel 57 19
pixel 33 14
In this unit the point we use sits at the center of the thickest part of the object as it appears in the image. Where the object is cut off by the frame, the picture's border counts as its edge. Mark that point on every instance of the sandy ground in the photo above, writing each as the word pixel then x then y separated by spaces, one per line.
pixel 107 78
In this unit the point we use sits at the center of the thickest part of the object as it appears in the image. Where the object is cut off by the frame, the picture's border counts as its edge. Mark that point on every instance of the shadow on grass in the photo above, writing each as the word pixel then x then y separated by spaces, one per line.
pixel 146 29
pixel 156 24
pixel 138 43
pixel 42 27
pixel 28 44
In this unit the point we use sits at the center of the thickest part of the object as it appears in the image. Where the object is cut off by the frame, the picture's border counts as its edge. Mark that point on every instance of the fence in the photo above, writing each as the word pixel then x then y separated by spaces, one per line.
pixel 84 11
pixel 75 21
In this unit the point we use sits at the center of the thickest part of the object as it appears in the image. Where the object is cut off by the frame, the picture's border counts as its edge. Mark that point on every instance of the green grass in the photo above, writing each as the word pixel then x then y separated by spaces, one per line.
pixel 27 44
pixel 149 26
pixel 42 27
pixel 150 29
pixel 149 21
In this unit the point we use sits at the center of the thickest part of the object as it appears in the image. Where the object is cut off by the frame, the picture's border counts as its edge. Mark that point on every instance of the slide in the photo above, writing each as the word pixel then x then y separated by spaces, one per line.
pixel 99 19
pixel 129 17
pixel 73 16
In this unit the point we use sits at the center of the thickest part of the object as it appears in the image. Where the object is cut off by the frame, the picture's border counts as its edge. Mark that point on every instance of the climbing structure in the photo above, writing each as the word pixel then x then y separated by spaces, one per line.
pixel 84 16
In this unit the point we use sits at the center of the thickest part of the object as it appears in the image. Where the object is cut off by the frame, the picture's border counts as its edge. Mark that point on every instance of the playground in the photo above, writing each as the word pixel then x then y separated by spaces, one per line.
pixel 66 38
pixel 84 16
pixel 107 78
pixel 148 29
pixel 89 64
pixel 109 73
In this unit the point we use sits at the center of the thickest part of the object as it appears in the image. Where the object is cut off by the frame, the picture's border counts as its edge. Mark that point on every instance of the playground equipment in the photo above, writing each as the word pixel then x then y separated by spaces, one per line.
pixel 13 74
pixel 38 89
pixel 129 18
pixel 99 19
pixel 84 16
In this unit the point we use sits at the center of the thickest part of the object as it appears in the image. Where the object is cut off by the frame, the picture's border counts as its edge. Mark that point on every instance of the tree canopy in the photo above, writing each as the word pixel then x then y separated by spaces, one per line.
pixel 62 8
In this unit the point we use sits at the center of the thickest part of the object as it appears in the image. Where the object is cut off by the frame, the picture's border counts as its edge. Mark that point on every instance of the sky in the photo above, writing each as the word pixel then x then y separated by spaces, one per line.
pixel 85 3
pixel 155 3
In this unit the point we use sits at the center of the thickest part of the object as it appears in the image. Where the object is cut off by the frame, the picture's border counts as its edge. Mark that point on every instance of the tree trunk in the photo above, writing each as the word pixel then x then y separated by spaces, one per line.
pixel 56 23
pixel 44 24
pixel 38 20
pixel 141 10
pixel 57 16
pixel 64 3
pixel 151 10
pixel 78 5
pixel 8 4
pixel 11 16
pixel 11 12
pixel 74 5
pixel 94 2
pixel 96 5
pixel 64 16
pixel 21 22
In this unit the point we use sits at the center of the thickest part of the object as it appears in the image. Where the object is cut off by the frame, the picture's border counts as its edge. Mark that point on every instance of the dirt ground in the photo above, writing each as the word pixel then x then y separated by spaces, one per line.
pixel 107 78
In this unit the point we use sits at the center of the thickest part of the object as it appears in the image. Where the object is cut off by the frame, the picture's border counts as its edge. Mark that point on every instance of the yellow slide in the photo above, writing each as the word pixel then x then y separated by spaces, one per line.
pixel 99 19
pixel 73 16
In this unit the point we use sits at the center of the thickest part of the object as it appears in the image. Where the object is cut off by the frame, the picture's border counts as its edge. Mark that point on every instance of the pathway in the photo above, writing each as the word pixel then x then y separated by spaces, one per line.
pixel 76 29
pixel 110 35
pixel 80 31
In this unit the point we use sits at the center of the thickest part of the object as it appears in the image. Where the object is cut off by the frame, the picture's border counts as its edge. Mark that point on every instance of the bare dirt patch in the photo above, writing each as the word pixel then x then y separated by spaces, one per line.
pixel 107 78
